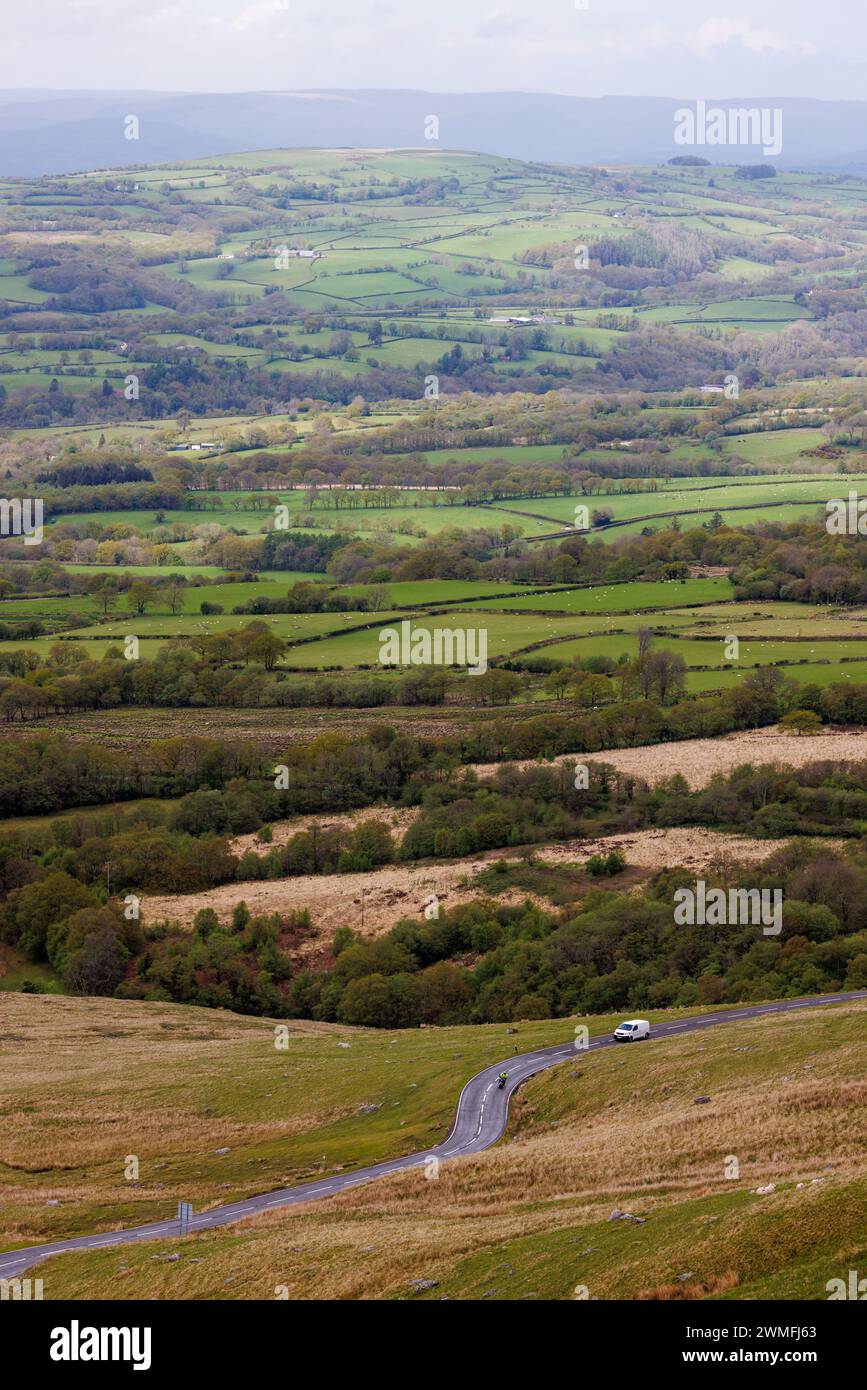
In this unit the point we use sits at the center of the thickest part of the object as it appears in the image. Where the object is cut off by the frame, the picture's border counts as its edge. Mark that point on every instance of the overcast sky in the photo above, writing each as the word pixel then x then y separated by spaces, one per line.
pixel 688 48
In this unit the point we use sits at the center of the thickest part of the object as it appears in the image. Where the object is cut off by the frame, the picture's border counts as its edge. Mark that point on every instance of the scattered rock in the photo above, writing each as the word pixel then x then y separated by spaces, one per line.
pixel 419 1285
pixel 618 1215
pixel 344 1044
pixel 368 1109
pixel 687 1274
pixel 763 1191
pixel 222 1151
pixel 701 1100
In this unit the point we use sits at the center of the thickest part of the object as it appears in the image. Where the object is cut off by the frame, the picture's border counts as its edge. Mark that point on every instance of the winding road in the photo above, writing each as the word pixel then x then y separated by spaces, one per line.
pixel 480 1120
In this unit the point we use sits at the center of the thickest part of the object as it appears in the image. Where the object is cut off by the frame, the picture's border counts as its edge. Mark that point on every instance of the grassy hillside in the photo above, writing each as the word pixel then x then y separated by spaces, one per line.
pixel 96 1080
pixel 528 1219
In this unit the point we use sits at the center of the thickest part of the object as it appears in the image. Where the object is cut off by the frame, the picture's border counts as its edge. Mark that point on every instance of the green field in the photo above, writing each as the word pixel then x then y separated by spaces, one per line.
pixel 827 673
pixel 711 651
pixel 694 618
pixel 415 515
pixel 693 502
pixel 626 598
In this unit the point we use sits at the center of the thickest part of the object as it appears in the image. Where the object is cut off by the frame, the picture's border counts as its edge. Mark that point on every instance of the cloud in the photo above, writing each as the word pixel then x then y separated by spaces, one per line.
pixel 707 42
pixel 716 33
pixel 790 46
pixel 499 25
pixel 261 12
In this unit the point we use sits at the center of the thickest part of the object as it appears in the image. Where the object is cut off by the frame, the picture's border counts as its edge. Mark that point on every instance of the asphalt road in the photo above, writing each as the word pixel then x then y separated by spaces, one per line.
pixel 480 1120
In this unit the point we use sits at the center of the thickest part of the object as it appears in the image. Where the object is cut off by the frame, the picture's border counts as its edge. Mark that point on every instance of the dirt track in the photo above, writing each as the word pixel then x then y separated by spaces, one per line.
pixel 335 900
pixel 698 759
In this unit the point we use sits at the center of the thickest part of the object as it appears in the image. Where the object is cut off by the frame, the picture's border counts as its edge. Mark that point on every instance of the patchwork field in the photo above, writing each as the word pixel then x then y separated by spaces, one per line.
pixel 453 255
pixel 693 618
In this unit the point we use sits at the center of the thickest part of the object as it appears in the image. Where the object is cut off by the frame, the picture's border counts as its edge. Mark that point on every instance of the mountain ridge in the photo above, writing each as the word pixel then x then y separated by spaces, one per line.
pixel 60 132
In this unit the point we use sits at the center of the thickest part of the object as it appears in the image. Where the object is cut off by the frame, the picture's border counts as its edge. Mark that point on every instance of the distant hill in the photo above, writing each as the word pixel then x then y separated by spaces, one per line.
pixel 54 132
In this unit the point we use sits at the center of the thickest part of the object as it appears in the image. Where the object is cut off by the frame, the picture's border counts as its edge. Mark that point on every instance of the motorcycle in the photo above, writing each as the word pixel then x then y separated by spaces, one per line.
pixel 501 1081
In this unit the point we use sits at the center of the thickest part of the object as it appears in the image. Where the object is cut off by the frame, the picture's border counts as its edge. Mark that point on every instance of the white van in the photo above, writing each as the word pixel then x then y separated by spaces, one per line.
pixel 633 1031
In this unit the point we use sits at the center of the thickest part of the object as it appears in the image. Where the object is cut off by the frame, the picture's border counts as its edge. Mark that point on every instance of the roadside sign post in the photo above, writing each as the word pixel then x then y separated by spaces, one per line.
pixel 185 1212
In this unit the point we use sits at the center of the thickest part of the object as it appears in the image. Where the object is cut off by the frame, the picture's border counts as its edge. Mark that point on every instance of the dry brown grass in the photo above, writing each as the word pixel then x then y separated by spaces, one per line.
pixel 690 1289
pixel 271 730
pixel 87 1082
pixel 394 892
pixel 626 1133
pixel 398 820
pixel 369 902
pixel 699 759
pixel 531 1216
